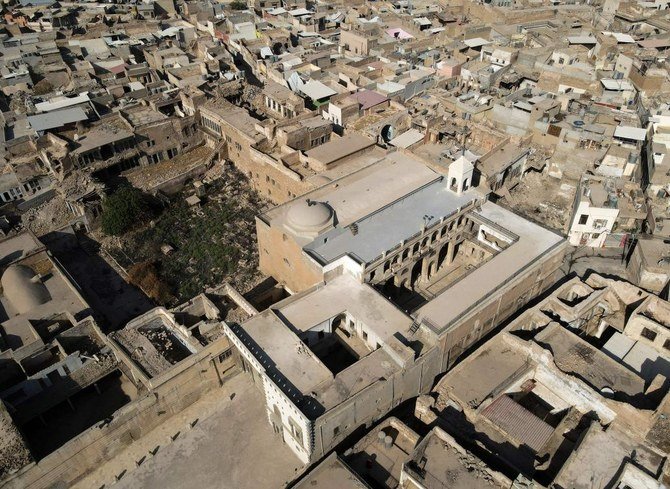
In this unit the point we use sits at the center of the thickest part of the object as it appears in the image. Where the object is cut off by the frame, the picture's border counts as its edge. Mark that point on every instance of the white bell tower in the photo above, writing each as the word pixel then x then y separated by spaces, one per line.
pixel 460 175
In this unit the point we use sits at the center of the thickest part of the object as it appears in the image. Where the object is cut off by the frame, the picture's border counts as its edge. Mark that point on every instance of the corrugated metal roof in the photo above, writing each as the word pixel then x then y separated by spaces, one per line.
pixel 518 422
pixel 56 118
pixel 407 139
pixel 628 132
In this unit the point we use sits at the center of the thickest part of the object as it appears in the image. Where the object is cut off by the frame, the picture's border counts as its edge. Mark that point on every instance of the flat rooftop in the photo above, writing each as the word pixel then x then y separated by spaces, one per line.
pixel 364 192
pixel 346 294
pixel 349 165
pixel 533 243
pixel 101 136
pixel 281 351
pixel 483 372
pixel 340 148
pixel 389 226
pixel 575 356
pixel 272 337
pixel 236 117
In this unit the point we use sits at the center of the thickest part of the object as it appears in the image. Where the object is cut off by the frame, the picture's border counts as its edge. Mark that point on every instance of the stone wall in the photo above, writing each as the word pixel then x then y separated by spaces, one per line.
pixel 196 376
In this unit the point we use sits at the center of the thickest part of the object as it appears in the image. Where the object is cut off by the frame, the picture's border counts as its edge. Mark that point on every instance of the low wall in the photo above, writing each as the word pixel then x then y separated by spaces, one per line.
pixel 175 184
pixel 202 373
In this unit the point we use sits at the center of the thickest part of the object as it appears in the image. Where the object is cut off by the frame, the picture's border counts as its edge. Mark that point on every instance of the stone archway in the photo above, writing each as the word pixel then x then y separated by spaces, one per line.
pixel 339 321
pixel 415 274
pixel 442 256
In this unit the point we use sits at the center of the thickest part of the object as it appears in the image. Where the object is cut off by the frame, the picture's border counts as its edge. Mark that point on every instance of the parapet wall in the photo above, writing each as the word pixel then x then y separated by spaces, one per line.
pixel 201 373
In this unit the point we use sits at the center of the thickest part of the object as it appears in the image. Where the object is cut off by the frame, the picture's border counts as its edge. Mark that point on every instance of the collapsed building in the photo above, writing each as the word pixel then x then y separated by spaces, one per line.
pixel 73 397
pixel 586 368
pixel 572 393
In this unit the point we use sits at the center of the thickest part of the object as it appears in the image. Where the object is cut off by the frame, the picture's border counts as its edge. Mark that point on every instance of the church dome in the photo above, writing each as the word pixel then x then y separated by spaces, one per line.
pixel 23 289
pixel 309 216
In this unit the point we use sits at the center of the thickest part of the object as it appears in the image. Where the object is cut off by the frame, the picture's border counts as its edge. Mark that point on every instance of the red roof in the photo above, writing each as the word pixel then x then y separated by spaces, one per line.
pixel 368 98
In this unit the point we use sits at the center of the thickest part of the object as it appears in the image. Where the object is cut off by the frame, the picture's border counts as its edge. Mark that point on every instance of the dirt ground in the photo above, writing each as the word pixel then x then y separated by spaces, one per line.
pixel 543 199
pixel 231 446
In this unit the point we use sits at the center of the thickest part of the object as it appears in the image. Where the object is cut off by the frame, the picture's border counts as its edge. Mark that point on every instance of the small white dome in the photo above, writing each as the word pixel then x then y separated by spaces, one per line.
pixel 309 216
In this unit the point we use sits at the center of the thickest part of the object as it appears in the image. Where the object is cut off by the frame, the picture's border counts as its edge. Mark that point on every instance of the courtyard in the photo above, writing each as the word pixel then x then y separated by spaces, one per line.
pixel 231 446
pixel 197 246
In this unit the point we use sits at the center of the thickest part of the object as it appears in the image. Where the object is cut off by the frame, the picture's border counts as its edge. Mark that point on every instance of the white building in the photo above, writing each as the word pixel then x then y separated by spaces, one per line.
pixel 594 214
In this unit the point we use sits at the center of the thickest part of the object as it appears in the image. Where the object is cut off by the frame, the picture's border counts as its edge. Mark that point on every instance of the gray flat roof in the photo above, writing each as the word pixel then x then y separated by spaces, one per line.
pixel 456 301
pixel 56 118
pixel 386 228
pixel 361 193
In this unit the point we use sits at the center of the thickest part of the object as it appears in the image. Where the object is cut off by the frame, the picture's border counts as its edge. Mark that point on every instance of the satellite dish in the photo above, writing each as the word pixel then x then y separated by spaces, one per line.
pixel 388 132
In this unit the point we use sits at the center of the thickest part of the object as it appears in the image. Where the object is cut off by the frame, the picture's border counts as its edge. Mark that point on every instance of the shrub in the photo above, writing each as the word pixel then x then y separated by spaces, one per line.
pixel 123 209
pixel 145 275
pixel 238 5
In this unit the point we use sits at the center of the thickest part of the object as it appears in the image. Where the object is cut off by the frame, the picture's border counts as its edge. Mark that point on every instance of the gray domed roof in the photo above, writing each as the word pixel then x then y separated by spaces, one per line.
pixel 309 216
pixel 22 288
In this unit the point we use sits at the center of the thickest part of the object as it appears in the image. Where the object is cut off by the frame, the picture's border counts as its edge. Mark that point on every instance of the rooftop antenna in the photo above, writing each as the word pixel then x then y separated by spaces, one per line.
pixel 427 219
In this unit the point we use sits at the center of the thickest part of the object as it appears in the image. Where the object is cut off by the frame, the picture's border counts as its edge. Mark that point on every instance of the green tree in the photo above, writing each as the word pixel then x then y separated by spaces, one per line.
pixel 123 209
pixel 238 5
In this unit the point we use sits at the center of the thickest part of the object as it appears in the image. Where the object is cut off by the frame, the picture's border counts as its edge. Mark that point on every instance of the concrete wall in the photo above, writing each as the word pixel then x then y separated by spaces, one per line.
pixel 581 234
pixel 198 375
pixel 374 402
pixel 281 257
pixel 283 415
pixel 499 306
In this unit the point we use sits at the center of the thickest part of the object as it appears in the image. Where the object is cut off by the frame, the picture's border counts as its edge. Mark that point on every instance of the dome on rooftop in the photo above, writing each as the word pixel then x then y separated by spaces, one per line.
pixel 23 289
pixel 319 180
pixel 309 216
